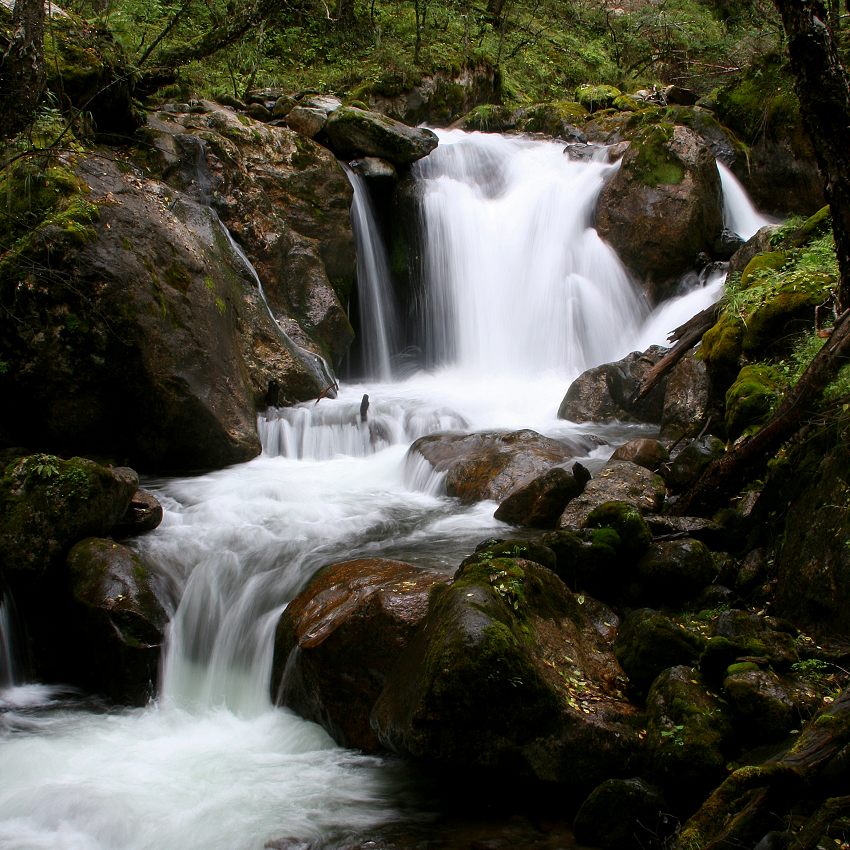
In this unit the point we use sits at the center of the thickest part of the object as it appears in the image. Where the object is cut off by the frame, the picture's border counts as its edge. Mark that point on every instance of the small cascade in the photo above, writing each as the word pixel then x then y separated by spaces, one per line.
pixel 378 321
pixel 8 666
pixel 518 281
pixel 331 429
pixel 739 214
pixel 315 363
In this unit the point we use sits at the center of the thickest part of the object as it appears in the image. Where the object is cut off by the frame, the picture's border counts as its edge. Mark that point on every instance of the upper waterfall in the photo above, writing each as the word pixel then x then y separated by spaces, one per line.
pixel 739 214
pixel 516 278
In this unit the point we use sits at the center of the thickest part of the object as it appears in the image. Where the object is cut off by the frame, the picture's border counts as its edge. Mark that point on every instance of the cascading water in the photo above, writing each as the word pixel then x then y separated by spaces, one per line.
pixel 378 322
pixel 8 665
pixel 515 306
pixel 739 214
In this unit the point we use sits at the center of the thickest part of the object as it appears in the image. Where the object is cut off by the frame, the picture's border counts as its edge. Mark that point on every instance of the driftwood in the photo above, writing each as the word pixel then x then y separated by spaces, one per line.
pixel 725 476
pixel 754 800
pixel 685 337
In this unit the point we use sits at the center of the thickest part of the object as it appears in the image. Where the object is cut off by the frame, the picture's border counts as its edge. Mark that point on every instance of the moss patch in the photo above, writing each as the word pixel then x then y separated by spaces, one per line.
pixel 750 400
pixel 655 164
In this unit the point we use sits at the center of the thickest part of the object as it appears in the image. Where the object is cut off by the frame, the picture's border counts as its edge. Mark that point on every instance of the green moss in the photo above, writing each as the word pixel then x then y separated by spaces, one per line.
pixel 177 277
pixel 765 262
pixel 595 97
pixel 628 524
pixel 655 165
pixel 627 103
pixel 750 400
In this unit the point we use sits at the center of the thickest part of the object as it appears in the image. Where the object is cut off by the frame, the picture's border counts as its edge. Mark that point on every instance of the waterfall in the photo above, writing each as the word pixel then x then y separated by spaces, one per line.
pixel 378 322
pixel 517 279
pixel 739 214
pixel 8 666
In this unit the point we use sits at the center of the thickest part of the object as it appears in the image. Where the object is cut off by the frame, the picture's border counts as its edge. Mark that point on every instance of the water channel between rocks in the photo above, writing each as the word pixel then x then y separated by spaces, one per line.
pixel 520 296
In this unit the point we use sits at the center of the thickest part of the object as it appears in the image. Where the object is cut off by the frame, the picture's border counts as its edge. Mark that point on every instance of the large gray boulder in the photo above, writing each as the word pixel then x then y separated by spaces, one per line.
pixel 663 207
pixel 353 132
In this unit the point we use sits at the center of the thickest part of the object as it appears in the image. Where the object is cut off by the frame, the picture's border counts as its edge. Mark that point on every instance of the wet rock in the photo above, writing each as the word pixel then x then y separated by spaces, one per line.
pixel 353 132
pixel 605 392
pixel 663 206
pixel 118 624
pixel 491 465
pixel 726 244
pixel 617 481
pixel 649 643
pixel 587 560
pixel 707 531
pixel 508 675
pixel 144 513
pixel 375 170
pixel 338 639
pixel 687 399
pixel 539 503
pixel 765 708
pixel 623 518
pixel 688 733
pixel 306 121
pixel 530 550
pixel 623 813
pixel 647 453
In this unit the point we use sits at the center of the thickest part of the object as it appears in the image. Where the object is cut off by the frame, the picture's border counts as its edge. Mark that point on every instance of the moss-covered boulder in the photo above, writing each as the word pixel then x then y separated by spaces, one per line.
pixel 595 97
pixel 620 482
pixel 750 400
pixel 672 572
pixel 626 520
pixel 509 675
pixel 605 392
pixel 648 643
pixel 765 709
pixel 559 119
pixel 691 461
pixel 491 465
pixel 490 118
pixel 539 503
pixel 118 624
pixel 356 132
pixel 49 504
pixel 663 206
pixel 623 814
pixel 689 734
pixel 529 550
pixel 588 560
pixel 338 639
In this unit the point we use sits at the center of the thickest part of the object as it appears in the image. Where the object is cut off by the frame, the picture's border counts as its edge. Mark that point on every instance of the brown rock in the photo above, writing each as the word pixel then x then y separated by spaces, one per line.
pixel 540 502
pixel 647 453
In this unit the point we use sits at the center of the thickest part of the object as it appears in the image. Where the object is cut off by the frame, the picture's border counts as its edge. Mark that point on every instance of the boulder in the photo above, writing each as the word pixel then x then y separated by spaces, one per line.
pixel 764 706
pixel 617 481
pixel 539 503
pixel 588 560
pixel 649 454
pixel 117 625
pixel 353 132
pixel 687 399
pixel 691 461
pixel 160 320
pixel 689 734
pixel 605 392
pixel 306 121
pixel 596 97
pixel 672 572
pixel 338 639
pixel 144 513
pixel 50 504
pixel 530 550
pixel 648 643
pixel 492 464
pixel 663 207
pixel 623 814
pixel 508 675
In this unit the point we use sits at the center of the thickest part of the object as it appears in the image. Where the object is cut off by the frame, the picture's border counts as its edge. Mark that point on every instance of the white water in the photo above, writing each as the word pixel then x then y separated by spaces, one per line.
pixel 739 214
pixel 378 323
pixel 213 765
pixel 8 667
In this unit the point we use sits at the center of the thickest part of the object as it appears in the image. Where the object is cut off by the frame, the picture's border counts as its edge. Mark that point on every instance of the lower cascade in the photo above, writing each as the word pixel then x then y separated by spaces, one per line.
pixel 519 295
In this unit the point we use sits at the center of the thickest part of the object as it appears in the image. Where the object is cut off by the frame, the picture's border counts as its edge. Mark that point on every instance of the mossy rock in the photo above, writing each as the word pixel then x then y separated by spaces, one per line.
pixel 490 118
pixel 672 572
pixel 722 343
pixel 765 709
pixel 765 262
pixel 626 520
pixel 596 97
pixel 530 550
pixel 553 119
pixel 627 103
pixel 750 400
pixel 50 503
pixel 648 643
pixel 587 559
pixel 655 164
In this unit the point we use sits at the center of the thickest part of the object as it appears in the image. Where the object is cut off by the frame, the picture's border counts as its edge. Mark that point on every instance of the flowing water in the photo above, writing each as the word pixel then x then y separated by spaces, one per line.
pixel 739 214
pixel 519 296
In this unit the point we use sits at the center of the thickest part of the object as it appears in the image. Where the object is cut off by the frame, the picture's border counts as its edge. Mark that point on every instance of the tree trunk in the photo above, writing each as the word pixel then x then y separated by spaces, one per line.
pixel 824 91
pixel 22 68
